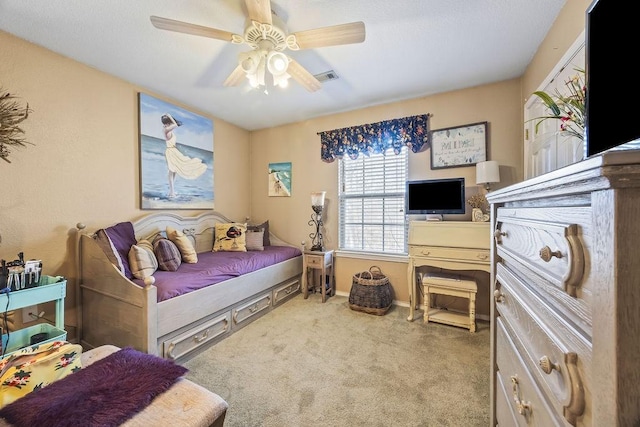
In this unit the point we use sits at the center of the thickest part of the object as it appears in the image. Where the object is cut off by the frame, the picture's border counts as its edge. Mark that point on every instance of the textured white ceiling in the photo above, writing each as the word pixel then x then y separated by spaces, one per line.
pixel 412 48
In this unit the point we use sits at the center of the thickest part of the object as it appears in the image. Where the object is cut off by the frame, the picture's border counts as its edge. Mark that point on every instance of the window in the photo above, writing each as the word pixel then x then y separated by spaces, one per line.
pixel 371 202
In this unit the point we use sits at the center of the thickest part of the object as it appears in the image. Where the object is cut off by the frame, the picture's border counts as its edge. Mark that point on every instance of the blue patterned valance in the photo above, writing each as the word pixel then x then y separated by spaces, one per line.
pixel 376 138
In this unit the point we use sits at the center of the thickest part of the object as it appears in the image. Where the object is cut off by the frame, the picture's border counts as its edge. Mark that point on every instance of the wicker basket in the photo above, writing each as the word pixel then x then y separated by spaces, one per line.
pixel 371 292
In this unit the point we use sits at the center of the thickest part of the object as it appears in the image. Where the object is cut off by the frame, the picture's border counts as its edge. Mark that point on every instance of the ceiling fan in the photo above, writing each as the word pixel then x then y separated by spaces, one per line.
pixel 267 36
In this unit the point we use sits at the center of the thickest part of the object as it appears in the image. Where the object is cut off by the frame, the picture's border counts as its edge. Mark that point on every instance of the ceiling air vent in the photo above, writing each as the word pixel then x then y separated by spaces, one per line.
pixel 326 76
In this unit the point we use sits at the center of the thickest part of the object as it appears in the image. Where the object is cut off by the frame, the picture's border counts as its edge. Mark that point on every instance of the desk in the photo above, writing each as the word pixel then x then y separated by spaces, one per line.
pixel 452 245
pixel 323 261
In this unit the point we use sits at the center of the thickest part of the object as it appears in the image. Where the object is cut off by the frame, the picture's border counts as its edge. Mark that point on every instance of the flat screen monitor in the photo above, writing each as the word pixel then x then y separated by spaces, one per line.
pixel 435 196
pixel 610 76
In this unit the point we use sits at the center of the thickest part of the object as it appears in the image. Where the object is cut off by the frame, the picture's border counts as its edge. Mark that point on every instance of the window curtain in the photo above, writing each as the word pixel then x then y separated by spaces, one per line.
pixel 376 138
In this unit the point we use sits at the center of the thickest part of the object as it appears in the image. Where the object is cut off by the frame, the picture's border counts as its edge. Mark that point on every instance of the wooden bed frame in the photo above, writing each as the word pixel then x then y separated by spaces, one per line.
pixel 115 310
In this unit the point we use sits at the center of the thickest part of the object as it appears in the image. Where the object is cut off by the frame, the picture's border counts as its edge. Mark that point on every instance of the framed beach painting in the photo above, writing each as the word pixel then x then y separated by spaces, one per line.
pixel 280 179
pixel 176 157
pixel 459 146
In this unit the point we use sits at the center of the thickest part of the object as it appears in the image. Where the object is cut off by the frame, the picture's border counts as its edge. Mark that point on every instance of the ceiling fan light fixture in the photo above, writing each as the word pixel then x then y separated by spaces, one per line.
pixel 277 62
pixel 249 61
pixel 281 80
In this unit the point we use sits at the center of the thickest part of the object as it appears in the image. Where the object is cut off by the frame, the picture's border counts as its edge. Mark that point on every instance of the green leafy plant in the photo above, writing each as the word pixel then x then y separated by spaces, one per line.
pixel 12 113
pixel 567 107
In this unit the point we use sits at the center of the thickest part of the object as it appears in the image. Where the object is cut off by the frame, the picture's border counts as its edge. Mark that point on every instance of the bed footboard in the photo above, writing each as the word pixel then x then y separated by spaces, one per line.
pixel 114 310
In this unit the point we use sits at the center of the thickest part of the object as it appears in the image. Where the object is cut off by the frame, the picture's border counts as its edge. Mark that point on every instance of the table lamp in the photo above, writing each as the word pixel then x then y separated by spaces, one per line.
pixel 487 173
pixel 317 204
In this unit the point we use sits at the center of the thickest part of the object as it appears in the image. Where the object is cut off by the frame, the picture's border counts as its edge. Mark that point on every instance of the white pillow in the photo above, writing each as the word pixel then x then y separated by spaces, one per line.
pixel 255 240
pixel 142 260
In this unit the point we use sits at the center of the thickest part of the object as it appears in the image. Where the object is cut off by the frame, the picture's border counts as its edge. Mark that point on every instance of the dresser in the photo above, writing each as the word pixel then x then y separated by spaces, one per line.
pixel 451 245
pixel 565 313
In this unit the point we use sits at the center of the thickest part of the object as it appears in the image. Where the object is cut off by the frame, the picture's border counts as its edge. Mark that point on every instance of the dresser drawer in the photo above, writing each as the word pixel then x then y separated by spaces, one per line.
pixel 504 410
pixel 245 312
pixel 547 241
pixel 198 336
pixel 526 401
pixel 456 254
pixel 316 261
pixel 283 292
pixel 557 357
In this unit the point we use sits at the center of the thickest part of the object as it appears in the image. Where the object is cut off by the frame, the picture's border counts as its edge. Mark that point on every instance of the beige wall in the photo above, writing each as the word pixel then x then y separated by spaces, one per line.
pixel 84 165
pixel 568 26
pixel 498 104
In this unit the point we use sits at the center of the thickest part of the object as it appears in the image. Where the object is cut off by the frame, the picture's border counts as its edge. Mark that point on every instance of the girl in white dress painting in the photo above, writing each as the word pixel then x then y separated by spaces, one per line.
pixel 178 163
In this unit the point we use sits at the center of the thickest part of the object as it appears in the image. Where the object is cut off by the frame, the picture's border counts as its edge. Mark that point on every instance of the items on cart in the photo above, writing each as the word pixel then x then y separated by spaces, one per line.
pixel 20 274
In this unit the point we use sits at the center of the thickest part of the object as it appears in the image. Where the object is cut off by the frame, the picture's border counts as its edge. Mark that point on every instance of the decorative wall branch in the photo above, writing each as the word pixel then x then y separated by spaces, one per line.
pixel 11 115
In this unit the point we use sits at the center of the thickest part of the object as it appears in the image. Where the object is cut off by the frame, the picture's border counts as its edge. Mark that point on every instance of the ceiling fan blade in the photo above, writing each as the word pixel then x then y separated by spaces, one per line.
pixel 259 10
pixel 187 28
pixel 302 76
pixel 353 32
pixel 236 77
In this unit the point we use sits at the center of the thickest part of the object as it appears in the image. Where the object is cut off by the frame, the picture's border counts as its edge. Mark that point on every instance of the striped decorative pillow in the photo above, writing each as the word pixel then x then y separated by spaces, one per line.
pixel 167 254
pixel 142 260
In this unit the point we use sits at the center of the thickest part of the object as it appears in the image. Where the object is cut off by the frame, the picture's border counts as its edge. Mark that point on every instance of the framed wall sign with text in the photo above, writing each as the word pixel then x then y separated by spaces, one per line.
pixel 459 146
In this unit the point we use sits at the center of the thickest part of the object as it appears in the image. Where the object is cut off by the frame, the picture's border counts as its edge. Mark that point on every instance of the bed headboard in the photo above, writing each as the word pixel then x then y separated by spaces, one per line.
pixel 200 227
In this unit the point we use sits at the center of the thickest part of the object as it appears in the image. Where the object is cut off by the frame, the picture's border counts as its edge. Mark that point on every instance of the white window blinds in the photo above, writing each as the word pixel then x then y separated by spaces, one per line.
pixel 371 203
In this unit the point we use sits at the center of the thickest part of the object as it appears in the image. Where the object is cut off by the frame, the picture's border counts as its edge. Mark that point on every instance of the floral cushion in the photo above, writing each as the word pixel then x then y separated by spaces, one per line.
pixel 230 237
pixel 35 367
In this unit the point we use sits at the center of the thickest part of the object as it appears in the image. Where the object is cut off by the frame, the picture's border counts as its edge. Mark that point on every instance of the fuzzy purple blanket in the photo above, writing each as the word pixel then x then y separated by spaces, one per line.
pixel 105 393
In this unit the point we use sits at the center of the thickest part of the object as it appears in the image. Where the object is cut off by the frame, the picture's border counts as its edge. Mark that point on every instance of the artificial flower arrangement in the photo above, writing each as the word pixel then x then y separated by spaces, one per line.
pixel 568 108
pixel 11 115
pixel 478 201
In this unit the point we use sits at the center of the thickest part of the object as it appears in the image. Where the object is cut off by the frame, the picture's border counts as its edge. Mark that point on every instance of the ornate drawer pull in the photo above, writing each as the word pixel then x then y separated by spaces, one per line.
pixel 576 405
pixel 254 308
pixel 202 337
pixel 288 290
pixel 498 295
pixel 546 254
pixel 483 256
pixel 547 365
pixel 170 351
pixel 498 234
pixel 524 408
pixel 425 253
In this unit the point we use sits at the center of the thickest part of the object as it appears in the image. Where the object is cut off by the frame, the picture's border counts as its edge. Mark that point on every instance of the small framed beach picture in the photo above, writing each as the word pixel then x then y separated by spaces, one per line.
pixel 459 146
pixel 176 157
pixel 280 179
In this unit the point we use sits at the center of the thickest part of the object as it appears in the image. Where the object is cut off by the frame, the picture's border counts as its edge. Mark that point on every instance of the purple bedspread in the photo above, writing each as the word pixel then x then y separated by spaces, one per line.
pixel 215 267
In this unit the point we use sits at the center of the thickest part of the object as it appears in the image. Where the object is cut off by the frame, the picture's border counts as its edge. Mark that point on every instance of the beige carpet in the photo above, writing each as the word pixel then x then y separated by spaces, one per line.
pixel 309 364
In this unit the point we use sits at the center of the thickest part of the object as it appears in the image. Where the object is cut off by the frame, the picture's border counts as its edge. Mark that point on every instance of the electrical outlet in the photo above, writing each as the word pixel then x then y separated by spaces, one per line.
pixel 26 317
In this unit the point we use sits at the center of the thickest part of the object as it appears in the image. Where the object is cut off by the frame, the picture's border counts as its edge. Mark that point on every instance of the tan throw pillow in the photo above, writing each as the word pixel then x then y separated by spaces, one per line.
pixel 230 237
pixel 142 260
pixel 187 251
pixel 255 240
